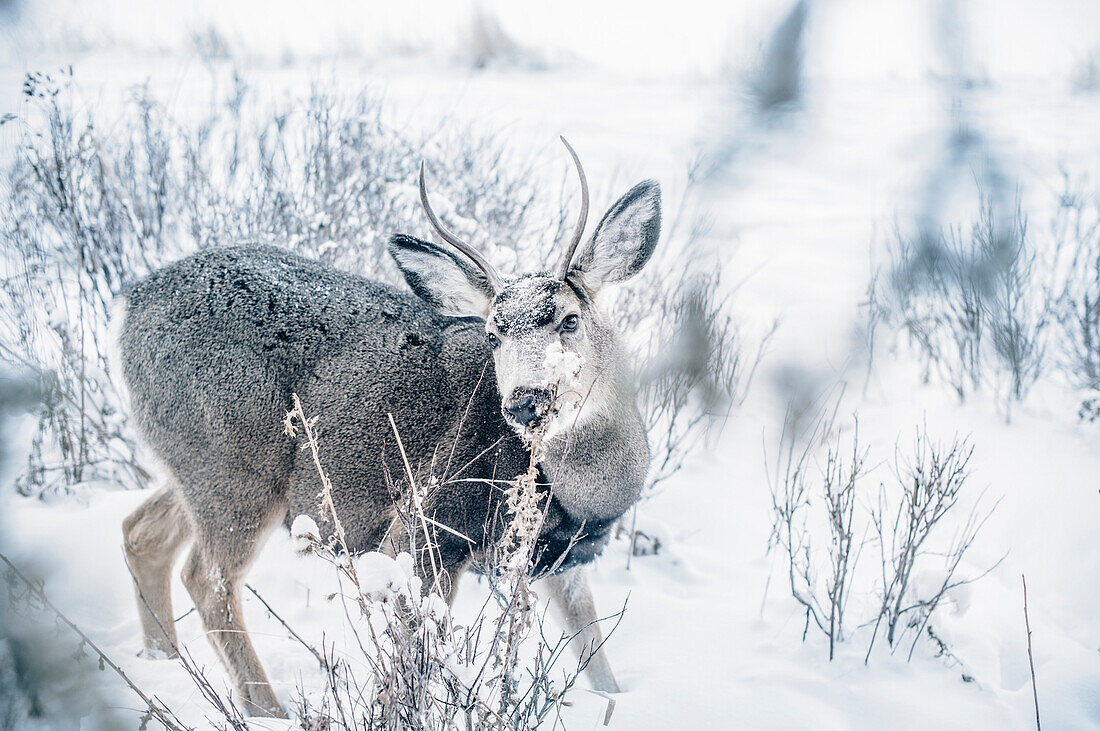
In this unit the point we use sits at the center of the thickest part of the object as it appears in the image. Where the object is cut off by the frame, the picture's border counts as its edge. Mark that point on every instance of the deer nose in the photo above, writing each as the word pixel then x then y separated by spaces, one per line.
pixel 523 410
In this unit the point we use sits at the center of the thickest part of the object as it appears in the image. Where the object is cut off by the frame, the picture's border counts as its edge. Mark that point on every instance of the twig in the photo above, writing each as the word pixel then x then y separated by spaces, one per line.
pixel 287 627
pixel 327 503
pixel 418 505
pixel 1030 658
pixel 462 421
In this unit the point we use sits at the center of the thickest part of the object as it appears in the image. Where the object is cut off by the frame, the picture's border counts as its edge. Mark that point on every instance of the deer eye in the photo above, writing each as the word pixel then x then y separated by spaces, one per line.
pixel 569 324
pixel 494 341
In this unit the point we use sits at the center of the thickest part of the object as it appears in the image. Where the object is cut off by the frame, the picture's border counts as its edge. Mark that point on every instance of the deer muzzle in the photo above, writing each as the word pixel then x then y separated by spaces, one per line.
pixel 527 407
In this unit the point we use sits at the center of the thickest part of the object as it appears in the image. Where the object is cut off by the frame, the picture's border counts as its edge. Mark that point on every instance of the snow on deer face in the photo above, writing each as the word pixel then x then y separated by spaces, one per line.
pixel 548 340
pixel 546 365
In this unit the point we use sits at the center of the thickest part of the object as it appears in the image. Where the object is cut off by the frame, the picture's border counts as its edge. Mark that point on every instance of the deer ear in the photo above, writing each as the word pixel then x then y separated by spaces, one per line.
pixel 623 240
pixel 442 277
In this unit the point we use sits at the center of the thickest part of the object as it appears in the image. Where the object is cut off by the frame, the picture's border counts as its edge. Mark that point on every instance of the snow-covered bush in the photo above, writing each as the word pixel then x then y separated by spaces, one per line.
pixel 68 236
pixel 1075 300
pixel 825 515
pixel 418 668
pixel 1002 307
pixel 96 203
pixel 93 204
pixel 966 297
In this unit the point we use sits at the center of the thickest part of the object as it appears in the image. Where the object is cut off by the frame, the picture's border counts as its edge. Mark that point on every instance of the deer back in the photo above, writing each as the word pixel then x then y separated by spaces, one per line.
pixel 213 346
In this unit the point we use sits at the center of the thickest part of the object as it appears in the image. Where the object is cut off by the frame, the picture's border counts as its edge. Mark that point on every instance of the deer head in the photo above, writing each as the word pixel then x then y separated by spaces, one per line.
pixel 556 356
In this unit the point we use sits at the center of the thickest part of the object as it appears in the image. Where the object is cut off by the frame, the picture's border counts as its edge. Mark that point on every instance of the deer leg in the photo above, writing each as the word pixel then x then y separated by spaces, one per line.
pixel 213 574
pixel 571 601
pixel 152 538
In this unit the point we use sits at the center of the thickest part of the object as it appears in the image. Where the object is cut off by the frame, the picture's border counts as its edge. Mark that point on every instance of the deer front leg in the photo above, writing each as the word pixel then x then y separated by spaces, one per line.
pixel 571 601
pixel 214 584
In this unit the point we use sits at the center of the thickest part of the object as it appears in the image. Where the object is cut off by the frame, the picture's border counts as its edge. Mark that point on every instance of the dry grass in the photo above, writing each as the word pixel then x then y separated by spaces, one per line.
pixel 425 670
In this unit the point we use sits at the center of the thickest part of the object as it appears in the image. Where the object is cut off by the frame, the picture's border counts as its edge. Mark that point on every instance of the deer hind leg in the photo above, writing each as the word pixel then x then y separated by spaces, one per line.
pixel 152 538
pixel 571 600
pixel 213 574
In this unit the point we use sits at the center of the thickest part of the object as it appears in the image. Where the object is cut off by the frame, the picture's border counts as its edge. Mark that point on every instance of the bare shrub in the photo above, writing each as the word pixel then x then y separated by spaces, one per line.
pixel 930 483
pixel 994 309
pixel 814 504
pixel 698 364
pixel 486 43
pixel 1075 298
pixel 971 303
pixel 807 496
pixel 697 359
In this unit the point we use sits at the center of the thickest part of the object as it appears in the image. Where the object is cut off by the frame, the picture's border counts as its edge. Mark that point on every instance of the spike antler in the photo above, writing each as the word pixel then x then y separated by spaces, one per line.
pixel 471 253
pixel 578 232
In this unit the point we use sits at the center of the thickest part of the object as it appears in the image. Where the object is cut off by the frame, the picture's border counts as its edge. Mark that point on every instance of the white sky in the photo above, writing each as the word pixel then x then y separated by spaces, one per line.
pixel 847 38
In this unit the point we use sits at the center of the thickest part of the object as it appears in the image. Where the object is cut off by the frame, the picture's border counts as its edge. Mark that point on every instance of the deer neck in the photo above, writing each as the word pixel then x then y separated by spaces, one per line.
pixel 598 467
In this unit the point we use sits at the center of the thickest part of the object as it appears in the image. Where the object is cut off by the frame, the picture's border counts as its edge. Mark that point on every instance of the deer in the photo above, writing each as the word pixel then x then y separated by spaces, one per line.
pixel 212 348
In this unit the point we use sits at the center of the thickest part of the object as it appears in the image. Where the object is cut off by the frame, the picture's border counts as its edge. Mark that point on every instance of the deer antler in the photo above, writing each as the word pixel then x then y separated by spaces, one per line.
pixel 471 253
pixel 578 232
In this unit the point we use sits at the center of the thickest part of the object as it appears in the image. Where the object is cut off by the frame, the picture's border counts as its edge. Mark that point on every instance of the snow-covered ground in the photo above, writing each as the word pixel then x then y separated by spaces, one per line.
pixel 802 212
